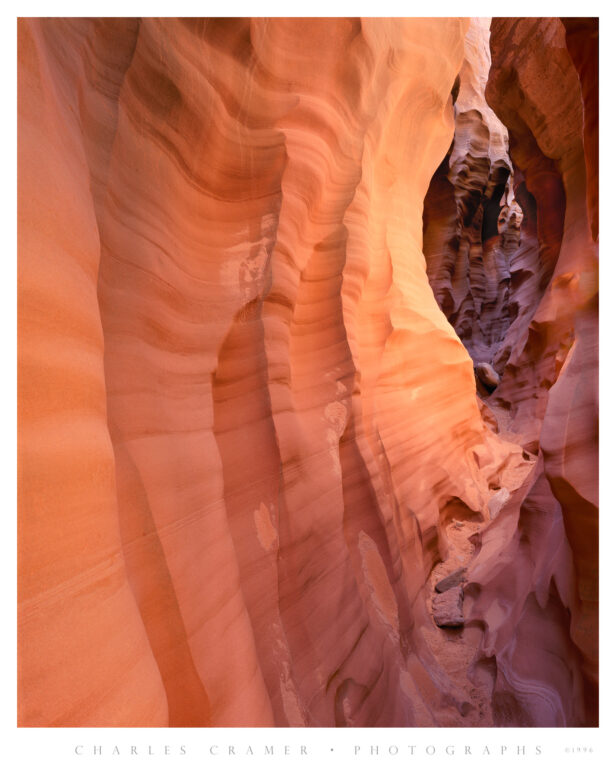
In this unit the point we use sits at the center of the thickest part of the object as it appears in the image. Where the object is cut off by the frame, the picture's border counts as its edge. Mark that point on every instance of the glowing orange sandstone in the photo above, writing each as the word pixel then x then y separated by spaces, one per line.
pixel 244 420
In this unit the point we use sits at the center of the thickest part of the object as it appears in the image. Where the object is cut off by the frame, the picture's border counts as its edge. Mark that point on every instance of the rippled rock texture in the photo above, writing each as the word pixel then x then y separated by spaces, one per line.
pixel 246 428
pixel 471 219
pixel 525 301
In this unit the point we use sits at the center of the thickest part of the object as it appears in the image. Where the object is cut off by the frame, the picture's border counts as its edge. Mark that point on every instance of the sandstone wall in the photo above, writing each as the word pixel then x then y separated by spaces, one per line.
pixel 538 596
pixel 245 424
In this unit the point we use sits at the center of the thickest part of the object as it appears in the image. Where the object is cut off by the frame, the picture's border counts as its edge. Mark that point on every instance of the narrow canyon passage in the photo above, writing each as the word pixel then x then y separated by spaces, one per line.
pixel 472 233
pixel 296 344
pixel 491 255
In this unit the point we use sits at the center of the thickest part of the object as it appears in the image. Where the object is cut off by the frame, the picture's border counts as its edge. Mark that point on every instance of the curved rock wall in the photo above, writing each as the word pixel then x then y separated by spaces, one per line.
pixel 534 583
pixel 469 235
pixel 246 427
pixel 82 642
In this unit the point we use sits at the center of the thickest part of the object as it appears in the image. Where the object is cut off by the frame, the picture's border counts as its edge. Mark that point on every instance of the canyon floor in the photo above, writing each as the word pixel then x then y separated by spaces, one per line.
pixel 455 648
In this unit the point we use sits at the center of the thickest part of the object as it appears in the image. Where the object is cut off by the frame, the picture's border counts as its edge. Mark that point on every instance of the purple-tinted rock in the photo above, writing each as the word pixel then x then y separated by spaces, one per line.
pixel 451 580
pixel 447 608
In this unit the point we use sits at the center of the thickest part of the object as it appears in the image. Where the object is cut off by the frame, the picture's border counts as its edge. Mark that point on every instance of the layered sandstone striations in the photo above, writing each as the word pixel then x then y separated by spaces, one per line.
pixel 534 581
pixel 471 220
pixel 247 431
pixel 548 101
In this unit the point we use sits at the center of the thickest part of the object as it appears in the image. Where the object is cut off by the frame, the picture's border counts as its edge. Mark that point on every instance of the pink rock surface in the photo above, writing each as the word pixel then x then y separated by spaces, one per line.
pixel 538 331
pixel 245 424
pixel 544 641
pixel 447 608
pixel 451 580
pixel 471 220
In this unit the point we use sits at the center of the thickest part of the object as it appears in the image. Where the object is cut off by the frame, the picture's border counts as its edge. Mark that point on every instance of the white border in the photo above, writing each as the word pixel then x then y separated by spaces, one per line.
pixel 55 749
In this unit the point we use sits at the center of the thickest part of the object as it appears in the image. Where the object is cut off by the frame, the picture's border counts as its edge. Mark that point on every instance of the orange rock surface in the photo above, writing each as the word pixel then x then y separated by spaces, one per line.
pixel 246 428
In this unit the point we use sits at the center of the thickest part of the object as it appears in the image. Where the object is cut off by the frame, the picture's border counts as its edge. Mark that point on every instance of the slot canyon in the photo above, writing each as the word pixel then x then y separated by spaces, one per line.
pixel 308 372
